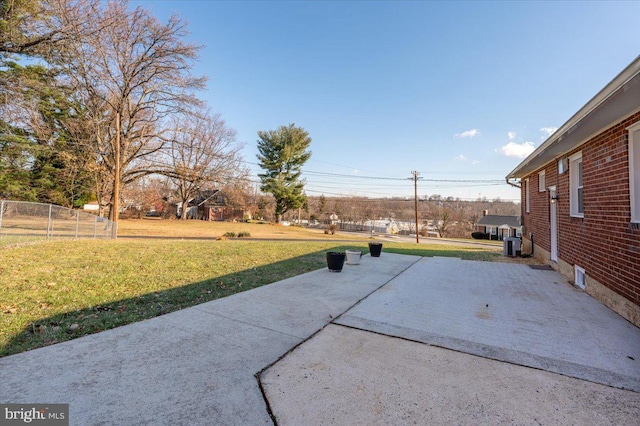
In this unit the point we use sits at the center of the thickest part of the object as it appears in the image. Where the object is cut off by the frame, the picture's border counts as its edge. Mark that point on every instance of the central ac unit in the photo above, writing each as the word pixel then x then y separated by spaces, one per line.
pixel 511 246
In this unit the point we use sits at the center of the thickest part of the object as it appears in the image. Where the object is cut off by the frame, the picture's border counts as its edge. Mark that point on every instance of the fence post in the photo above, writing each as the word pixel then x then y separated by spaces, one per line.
pixel 95 226
pixel 1 211
pixel 49 221
pixel 77 219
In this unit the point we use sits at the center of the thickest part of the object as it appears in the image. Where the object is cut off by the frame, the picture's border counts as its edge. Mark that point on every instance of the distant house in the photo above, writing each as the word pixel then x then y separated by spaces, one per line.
pixel 499 227
pixel 208 205
pixel 580 195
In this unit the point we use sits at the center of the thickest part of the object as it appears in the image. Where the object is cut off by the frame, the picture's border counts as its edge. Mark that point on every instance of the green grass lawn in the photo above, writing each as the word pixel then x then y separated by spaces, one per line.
pixel 60 290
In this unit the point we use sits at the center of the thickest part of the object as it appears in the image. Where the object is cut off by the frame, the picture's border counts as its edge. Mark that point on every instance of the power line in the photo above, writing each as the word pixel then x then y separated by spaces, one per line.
pixel 501 181
pixel 338 184
pixel 399 179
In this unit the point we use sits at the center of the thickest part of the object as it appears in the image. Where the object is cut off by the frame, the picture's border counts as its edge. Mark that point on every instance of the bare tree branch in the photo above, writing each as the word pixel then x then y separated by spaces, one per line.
pixel 204 153
pixel 133 72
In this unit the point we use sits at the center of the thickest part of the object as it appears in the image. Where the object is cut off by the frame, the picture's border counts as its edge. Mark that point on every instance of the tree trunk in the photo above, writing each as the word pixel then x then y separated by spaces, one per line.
pixel 183 212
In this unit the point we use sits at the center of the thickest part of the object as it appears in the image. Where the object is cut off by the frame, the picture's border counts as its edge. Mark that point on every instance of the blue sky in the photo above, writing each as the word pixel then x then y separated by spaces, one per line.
pixel 454 90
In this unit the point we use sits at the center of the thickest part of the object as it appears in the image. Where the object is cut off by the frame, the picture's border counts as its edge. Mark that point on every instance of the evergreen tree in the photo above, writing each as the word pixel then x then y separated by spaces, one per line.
pixel 282 153
pixel 43 138
pixel 44 144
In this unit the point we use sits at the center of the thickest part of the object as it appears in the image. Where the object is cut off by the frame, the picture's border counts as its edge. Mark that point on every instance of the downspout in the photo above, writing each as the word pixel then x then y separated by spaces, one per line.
pixel 513 184
pixel 530 254
pixel 516 185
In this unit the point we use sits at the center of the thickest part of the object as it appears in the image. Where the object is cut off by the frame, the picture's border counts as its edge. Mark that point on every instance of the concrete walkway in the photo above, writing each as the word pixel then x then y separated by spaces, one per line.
pixel 196 366
pixel 505 312
pixel 473 316
pixel 374 363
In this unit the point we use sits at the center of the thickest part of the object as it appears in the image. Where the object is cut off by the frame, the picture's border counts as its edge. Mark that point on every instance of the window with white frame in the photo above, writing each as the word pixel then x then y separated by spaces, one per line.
pixel 526 194
pixel 634 171
pixel 541 182
pixel 576 196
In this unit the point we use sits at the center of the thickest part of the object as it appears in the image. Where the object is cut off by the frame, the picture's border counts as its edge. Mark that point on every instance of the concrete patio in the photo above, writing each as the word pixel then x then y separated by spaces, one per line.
pixel 395 340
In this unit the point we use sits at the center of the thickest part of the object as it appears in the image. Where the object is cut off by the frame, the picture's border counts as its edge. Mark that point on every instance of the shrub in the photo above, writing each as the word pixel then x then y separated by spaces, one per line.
pixel 230 234
pixel 479 236
pixel 244 234
pixel 333 228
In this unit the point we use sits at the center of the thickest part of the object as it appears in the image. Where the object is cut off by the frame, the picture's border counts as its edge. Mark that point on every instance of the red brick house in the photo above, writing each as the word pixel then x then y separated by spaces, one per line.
pixel 209 205
pixel 581 196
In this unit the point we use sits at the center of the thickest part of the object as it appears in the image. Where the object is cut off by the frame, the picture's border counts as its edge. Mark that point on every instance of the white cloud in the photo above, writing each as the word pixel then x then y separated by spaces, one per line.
pixel 512 135
pixel 468 134
pixel 548 130
pixel 518 150
pixel 474 162
pixel 460 158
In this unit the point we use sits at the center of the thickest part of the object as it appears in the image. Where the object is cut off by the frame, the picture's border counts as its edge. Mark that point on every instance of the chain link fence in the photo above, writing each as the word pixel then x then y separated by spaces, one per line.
pixel 22 221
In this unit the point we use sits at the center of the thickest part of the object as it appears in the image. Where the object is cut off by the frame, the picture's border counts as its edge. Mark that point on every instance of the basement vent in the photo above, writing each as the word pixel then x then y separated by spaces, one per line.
pixel 580 277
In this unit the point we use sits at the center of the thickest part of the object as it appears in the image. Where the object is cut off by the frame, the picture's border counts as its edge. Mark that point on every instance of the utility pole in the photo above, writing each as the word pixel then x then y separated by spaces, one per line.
pixel 415 186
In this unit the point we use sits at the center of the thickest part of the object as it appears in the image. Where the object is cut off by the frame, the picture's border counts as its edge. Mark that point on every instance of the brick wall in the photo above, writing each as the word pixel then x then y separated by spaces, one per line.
pixel 603 242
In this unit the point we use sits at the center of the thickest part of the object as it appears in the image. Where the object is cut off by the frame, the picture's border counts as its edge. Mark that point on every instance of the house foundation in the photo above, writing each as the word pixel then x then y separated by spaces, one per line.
pixel 595 289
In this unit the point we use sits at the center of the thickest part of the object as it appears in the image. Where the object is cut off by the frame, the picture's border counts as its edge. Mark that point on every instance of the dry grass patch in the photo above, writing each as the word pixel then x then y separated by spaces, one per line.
pixel 206 229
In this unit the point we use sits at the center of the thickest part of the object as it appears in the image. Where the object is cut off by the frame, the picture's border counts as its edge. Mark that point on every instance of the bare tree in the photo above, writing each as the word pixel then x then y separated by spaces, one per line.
pixel 443 220
pixel 204 152
pixel 43 28
pixel 149 194
pixel 239 195
pixel 133 72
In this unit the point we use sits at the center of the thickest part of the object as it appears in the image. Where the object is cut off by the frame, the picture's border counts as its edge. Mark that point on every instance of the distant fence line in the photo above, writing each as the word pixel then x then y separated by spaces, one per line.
pixel 25 221
pixel 364 226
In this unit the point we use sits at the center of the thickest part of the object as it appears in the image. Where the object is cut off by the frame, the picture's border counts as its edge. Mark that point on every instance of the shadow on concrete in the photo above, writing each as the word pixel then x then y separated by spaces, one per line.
pixel 77 323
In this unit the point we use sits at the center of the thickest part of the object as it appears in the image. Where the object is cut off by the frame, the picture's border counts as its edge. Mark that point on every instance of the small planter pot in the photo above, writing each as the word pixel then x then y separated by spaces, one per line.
pixel 353 257
pixel 375 249
pixel 335 260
